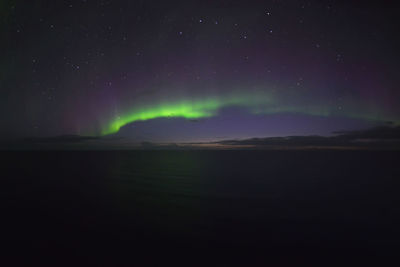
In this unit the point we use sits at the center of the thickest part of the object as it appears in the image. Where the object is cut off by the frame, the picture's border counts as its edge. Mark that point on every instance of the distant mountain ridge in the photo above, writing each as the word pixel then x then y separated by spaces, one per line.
pixel 384 137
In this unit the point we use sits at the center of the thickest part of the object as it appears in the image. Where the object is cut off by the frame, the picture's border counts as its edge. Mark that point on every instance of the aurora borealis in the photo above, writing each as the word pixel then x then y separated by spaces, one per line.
pixel 205 108
pixel 187 109
pixel 195 70
pixel 199 132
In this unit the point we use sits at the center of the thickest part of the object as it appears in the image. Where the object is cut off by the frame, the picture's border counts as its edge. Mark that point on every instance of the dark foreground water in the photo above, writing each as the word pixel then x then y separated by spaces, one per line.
pixel 200 208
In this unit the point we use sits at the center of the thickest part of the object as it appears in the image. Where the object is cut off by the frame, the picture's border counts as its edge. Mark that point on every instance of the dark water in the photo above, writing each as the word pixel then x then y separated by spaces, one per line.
pixel 200 208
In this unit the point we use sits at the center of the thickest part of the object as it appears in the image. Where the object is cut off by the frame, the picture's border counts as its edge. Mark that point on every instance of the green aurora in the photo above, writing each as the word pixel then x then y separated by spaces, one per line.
pixel 189 109
pixel 256 102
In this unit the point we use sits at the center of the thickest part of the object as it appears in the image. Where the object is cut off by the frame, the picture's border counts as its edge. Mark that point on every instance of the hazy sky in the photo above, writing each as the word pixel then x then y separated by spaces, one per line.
pixel 196 70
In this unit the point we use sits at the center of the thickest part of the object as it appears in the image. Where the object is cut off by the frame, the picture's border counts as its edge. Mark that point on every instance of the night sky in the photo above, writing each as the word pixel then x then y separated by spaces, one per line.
pixel 197 70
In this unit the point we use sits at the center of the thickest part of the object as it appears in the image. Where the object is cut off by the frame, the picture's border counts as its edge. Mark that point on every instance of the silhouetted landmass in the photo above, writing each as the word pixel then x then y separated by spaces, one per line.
pixel 385 137
pixel 380 137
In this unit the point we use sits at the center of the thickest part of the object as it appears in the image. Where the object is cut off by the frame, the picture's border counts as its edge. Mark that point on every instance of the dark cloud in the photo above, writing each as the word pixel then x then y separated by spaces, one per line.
pixel 376 133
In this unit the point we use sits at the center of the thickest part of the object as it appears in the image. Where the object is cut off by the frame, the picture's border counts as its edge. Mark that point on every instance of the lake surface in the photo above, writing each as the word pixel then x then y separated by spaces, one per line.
pixel 200 208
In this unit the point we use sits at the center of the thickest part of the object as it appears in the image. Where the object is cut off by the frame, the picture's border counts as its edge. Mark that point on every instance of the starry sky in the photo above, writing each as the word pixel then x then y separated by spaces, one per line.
pixel 182 71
